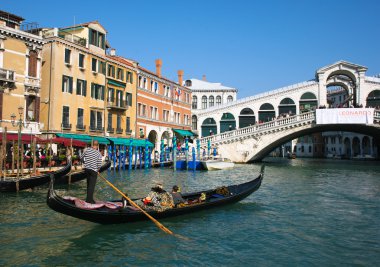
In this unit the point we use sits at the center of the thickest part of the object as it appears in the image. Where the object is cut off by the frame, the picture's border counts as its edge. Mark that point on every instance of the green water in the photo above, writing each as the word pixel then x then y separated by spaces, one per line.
pixel 306 213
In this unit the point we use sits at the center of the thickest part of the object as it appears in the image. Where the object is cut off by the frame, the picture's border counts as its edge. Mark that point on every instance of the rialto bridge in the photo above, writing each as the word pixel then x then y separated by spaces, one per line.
pixel 241 129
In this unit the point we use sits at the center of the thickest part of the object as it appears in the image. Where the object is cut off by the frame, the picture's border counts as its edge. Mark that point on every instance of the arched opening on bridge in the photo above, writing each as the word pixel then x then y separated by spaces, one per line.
pixel 266 112
pixel 227 122
pixel 287 106
pixel 373 99
pixel 208 127
pixel 342 82
pixel 366 146
pixel 337 95
pixel 347 148
pixel 152 137
pixel 246 118
pixel 308 102
pixel 194 122
pixel 355 146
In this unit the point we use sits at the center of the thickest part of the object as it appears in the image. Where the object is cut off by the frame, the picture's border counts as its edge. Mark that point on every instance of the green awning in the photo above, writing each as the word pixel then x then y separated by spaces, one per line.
pixel 116 83
pixel 127 142
pixel 184 133
pixel 84 138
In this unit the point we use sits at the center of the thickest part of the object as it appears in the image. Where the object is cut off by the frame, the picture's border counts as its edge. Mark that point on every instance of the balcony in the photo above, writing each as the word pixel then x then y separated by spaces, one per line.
pixel 120 105
pixel 119 130
pixel 32 84
pixel 128 132
pixel 97 129
pixel 81 127
pixel 110 130
pixel 7 79
pixel 65 126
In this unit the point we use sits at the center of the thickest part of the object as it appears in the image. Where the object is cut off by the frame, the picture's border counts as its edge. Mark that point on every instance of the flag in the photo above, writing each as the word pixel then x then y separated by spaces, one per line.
pixel 177 92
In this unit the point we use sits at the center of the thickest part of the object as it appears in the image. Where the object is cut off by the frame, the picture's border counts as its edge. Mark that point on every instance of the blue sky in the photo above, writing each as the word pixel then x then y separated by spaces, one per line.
pixel 254 46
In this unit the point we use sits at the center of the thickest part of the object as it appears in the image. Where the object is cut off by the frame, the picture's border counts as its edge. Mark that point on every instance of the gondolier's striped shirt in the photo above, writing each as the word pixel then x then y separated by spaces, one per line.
pixel 92 159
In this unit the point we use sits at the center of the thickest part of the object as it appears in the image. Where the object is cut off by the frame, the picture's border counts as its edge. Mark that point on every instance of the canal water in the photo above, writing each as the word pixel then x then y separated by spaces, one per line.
pixel 306 213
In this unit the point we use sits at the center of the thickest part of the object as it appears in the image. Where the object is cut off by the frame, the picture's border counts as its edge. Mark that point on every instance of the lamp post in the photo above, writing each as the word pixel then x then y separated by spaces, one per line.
pixel 20 123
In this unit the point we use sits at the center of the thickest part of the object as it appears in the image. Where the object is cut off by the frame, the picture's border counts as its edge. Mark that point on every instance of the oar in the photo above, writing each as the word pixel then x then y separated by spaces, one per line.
pixel 162 227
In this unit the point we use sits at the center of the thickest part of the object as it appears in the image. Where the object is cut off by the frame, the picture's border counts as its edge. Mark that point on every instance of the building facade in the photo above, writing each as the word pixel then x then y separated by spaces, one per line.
pixel 163 106
pixel 20 75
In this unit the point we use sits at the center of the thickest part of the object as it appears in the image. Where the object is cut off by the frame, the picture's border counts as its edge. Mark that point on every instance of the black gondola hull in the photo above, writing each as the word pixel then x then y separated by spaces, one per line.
pixel 239 192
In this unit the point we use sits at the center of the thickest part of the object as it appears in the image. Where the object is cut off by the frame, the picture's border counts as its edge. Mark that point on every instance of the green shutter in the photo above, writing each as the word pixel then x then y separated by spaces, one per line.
pixel 63 83
pixel 85 88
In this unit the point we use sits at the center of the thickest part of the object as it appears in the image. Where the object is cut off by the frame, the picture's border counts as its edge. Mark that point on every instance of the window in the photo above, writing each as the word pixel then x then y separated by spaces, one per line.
pixel 194 122
pixel 218 100
pixel 155 87
pixel 166 91
pixel 97 91
pixel 80 118
pixel 99 120
pixel 141 110
pixel 96 38
pixel 195 102
pixel 111 95
pixel 128 97
pixel 128 125
pixel 31 108
pixel 177 117
pixel 120 74
pixel 165 115
pixel 118 123
pixel 81 87
pixel 109 123
pixel 67 56
pixel 211 101
pixel 32 66
pixel 67 84
pixel 153 113
pixel 111 71
pixel 65 117
pixel 119 98
pixel 204 102
pixel 94 65
pixel 230 99
pixel 81 61
pixel 102 67
pixel 186 119
pixel 130 77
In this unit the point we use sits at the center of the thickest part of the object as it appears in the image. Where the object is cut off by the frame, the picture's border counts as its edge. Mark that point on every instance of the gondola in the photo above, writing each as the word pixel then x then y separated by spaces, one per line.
pixel 78 175
pixel 9 184
pixel 112 212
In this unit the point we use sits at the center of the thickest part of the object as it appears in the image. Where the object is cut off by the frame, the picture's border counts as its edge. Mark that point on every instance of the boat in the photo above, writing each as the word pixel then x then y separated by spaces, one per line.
pixel 217 164
pixel 13 184
pixel 78 175
pixel 113 212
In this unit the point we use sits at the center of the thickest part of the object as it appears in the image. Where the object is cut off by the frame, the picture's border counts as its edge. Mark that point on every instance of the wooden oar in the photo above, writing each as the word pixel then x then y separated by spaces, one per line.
pixel 163 228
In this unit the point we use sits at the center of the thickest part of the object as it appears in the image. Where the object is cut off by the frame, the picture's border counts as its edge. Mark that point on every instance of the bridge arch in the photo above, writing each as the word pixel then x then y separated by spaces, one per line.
pixel 266 112
pixel 246 118
pixel 209 127
pixel 287 106
pixel 373 99
pixel 227 122
pixel 308 102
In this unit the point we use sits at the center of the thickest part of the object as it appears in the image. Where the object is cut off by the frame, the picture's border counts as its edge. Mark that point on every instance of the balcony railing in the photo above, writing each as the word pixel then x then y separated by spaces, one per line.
pixel 128 132
pixel 110 130
pixel 81 127
pixel 66 126
pixel 32 83
pixel 119 130
pixel 117 105
pixel 7 79
pixel 98 129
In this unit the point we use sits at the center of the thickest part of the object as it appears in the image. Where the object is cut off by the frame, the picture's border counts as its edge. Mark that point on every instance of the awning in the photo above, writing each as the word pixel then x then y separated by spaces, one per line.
pixel 127 142
pixel 65 142
pixel 84 138
pixel 25 138
pixel 184 133
pixel 116 83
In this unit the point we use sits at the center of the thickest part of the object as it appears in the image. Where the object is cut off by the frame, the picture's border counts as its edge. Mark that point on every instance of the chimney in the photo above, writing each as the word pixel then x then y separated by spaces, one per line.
pixel 158 67
pixel 113 52
pixel 180 77
pixel 204 78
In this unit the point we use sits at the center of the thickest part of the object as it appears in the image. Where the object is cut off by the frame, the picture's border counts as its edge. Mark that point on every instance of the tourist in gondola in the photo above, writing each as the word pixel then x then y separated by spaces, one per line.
pixel 177 197
pixel 158 199
pixel 92 162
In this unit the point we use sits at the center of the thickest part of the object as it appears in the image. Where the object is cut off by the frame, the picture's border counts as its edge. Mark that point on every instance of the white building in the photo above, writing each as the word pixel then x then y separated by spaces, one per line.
pixel 206 95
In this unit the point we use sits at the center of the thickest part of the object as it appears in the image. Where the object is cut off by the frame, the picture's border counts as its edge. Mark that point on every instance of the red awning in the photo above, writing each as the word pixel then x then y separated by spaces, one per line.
pixel 65 142
pixel 25 138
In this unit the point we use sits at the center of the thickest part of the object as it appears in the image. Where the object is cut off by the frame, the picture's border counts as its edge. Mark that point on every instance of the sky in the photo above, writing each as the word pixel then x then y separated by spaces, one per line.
pixel 253 46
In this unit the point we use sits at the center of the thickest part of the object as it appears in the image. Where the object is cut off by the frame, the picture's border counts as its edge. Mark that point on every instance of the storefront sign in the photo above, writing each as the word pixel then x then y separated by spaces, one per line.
pixel 345 116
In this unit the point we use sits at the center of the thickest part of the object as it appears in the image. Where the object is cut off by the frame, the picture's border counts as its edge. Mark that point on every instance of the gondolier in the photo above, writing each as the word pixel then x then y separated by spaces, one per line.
pixel 92 162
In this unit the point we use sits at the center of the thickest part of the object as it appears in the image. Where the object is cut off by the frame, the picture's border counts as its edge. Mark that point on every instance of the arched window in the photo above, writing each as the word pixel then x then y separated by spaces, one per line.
pixel 211 101
pixel 194 124
pixel 218 100
pixel 32 67
pixel 230 99
pixel 195 102
pixel 204 102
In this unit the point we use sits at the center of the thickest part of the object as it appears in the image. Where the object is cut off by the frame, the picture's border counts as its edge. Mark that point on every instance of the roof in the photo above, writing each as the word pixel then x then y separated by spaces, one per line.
pixel 11 17
pixel 205 85
pixel 85 24
pixel 121 60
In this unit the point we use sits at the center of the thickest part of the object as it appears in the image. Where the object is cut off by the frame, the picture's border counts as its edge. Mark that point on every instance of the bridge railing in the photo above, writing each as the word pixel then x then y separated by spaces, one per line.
pixel 259 127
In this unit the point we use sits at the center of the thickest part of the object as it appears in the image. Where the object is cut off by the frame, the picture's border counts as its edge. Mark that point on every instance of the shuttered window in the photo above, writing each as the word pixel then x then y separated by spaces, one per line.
pixel 32 66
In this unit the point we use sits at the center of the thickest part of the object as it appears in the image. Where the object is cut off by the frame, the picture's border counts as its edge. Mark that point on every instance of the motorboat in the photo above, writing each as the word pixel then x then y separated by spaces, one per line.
pixel 217 164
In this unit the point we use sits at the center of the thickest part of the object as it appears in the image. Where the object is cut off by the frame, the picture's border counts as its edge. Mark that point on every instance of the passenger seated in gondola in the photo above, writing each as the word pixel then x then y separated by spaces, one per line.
pixel 158 199
pixel 177 197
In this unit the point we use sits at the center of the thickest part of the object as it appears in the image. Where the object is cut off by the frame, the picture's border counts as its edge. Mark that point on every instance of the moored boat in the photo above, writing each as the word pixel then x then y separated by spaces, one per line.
pixel 113 212
pixel 14 184
pixel 217 164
